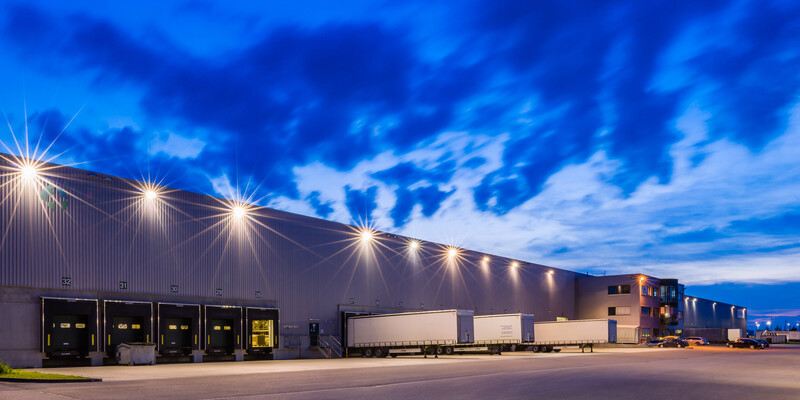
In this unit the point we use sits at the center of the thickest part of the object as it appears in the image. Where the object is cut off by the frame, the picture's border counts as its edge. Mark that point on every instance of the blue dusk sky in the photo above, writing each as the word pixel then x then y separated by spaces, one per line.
pixel 598 136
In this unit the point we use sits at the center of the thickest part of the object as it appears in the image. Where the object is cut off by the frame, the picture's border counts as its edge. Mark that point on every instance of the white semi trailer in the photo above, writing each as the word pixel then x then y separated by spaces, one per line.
pixel 501 332
pixel 410 333
pixel 554 335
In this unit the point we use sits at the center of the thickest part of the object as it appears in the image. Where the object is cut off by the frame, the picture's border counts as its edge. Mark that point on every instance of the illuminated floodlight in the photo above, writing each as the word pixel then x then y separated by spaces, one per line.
pixel 551 272
pixel 366 236
pixel 150 194
pixel 29 172
pixel 238 212
pixel 641 278
pixel 452 252
pixel 485 259
pixel 514 264
pixel 413 244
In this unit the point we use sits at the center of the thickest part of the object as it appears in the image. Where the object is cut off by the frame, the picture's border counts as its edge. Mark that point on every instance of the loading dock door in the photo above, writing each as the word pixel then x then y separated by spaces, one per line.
pixel 221 335
pixel 261 336
pixel 126 321
pixel 69 336
pixel 178 328
pixel 261 325
pixel 223 329
pixel 126 329
pixel 69 327
pixel 177 337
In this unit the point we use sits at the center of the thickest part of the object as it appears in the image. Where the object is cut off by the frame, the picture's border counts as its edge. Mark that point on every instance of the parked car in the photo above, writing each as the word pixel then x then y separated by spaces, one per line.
pixel 763 342
pixel 653 342
pixel 745 343
pixel 697 341
pixel 673 343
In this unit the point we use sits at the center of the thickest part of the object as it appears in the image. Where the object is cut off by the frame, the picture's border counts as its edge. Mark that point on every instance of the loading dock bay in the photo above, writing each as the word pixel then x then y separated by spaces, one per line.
pixel 712 372
pixel 79 332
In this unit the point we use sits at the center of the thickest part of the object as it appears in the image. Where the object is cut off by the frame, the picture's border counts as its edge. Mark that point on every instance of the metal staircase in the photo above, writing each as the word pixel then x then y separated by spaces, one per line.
pixel 329 346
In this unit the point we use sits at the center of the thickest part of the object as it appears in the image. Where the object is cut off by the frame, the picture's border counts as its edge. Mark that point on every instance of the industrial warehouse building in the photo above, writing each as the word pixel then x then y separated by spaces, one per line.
pixel 88 261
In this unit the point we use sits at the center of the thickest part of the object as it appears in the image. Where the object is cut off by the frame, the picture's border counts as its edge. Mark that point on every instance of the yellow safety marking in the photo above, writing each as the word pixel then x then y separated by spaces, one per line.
pixel 48 339
pixel 237 339
pixel 148 338
pixel 109 340
pixel 93 339
pixel 195 339
pixel 209 340
pixel 162 339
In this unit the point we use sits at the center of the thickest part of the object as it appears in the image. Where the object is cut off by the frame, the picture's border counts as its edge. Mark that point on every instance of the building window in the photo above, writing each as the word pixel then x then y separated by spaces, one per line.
pixel 646 332
pixel 669 294
pixel 647 311
pixel 620 289
pixel 649 291
pixel 619 311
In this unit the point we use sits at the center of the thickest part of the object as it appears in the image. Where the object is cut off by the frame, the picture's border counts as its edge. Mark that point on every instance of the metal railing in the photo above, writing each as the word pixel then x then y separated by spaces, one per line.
pixel 330 346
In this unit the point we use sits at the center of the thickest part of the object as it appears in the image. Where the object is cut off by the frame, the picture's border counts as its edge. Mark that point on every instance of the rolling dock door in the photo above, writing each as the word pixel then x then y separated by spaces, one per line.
pixel 69 327
pixel 126 321
pixel 223 328
pixel 178 328
pixel 261 325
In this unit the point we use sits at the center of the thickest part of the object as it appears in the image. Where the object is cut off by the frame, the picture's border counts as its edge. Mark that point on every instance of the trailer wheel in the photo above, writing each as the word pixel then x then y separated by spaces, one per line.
pixel 368 352
pixel 439 350
pixel 549 349
pixel 448 350
pixel 379 353
pixel 535 349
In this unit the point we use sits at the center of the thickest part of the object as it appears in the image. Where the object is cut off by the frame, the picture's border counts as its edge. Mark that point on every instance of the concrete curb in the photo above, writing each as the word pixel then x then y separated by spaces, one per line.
pixel 50 380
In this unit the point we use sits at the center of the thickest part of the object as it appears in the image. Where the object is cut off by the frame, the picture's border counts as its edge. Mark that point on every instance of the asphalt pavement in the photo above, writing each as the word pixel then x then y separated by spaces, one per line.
pixel 711 372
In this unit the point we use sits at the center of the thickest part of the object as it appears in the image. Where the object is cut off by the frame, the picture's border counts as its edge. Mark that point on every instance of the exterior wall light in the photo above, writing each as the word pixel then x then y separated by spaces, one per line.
pixel 238 212
pixel 29 172
pixel 485 259
pixel 413 244
pixel 366 236
pixel 514 264
pixel 150 195
pixel 452 252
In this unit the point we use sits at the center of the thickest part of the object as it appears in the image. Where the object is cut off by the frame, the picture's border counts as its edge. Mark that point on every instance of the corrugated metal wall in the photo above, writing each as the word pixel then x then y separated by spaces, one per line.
pixel 186 244
pixel 703 313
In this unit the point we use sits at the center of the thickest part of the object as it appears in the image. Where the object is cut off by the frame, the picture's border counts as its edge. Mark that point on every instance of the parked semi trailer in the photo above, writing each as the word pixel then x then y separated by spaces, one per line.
pixel 554 335
pixel 410 333
pixel 503 331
